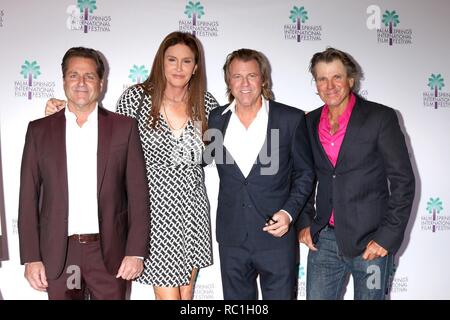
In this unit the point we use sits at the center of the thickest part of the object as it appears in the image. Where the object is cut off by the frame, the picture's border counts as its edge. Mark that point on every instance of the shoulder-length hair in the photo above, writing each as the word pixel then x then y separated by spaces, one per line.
pixel 155 84
pixel 264 67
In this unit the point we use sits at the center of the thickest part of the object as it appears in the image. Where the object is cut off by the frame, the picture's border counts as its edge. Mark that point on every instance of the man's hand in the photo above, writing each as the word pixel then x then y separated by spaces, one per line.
pixel 130 268
pixel 35 274
pixel 278 224
pixel 374 251
pixel 304 236
pixel 54 105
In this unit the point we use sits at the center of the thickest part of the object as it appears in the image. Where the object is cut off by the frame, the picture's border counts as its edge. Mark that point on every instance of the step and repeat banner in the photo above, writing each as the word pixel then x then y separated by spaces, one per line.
pixel 402 47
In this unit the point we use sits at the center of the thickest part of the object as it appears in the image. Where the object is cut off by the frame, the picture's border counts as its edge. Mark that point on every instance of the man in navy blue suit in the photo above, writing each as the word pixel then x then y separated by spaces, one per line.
pixel 365 186
pixel 264 162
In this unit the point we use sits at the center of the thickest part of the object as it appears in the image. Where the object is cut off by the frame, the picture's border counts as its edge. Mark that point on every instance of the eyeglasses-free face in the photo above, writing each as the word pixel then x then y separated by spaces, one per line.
pixel 82 85
pixel 333 84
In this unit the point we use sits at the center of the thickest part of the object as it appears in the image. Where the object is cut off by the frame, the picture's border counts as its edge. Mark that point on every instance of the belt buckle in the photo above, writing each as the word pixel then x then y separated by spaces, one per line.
pixel 80 241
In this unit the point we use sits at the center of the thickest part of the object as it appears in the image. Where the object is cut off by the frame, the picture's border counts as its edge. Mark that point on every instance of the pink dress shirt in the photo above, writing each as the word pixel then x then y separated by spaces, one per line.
pixel 332 143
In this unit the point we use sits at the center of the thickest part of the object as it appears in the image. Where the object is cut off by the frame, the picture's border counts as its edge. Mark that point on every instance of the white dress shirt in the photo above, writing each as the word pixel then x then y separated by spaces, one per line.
pixel 244 144
pixel 81 151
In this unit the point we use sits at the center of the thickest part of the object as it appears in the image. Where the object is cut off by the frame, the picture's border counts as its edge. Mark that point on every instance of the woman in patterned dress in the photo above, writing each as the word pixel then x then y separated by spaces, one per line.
pixel 171 108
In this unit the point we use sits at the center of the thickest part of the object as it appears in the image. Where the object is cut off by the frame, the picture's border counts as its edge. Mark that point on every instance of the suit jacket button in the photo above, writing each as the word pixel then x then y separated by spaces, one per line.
pixel 334 176
pixel 245 183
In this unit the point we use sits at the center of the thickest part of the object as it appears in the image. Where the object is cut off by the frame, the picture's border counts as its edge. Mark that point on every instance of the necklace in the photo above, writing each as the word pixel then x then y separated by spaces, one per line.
pixel 170 124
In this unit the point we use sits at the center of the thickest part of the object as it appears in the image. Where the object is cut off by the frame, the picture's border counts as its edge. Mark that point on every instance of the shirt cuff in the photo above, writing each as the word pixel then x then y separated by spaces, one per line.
pixel 290 217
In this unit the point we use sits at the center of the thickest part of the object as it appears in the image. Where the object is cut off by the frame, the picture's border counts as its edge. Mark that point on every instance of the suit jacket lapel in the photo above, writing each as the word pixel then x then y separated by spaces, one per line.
pixel 226 154
pixel 316 121
pixel 354 124
pixel 225 121
pixel 58 125
pixel 268 141
pixel 104 142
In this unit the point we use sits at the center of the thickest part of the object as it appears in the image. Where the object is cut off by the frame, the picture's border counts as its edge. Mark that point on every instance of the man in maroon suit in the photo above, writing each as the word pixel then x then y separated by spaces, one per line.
pixel 83 211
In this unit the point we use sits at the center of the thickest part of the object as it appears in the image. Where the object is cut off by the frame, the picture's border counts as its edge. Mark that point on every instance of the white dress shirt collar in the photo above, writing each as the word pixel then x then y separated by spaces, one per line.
pixel 92 117
pixel 244 144
pixel 232 106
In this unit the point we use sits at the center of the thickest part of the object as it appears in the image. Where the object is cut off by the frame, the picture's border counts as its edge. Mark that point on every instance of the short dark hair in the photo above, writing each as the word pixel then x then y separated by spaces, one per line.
pixel 264 67
pixel 330 54
pixel 84 53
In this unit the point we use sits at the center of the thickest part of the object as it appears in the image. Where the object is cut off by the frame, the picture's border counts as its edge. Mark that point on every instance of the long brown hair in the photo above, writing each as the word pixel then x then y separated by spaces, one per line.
pixel 155 84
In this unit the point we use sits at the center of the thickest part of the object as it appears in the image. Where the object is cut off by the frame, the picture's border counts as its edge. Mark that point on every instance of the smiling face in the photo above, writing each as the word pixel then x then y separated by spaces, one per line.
pixel 245 82
pixel 333 84
pixel 179 65
pixel 82 84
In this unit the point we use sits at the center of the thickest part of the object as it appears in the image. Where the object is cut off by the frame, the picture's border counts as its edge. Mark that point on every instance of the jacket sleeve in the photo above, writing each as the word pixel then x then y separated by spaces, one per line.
pixel 308 213
pixel 138 197
pixel 392 146
pixel 303 170
pixel 28 220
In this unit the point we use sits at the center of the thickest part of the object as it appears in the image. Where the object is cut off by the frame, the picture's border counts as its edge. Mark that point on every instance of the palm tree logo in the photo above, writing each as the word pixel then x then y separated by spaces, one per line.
pixel 434 206
pixel 436 82
pixel 194 10
pixel 86 6
pixel 298 15
pixel 300 271
pixel 30 70
pixel 138 73
pixel 390 18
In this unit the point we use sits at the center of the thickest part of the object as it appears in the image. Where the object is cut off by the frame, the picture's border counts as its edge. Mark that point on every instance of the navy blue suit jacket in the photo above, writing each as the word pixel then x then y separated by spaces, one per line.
pixel 285 182
pixel 372 186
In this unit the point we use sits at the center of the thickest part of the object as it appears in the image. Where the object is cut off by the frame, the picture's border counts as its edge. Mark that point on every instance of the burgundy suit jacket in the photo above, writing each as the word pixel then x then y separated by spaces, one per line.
pixel 122 192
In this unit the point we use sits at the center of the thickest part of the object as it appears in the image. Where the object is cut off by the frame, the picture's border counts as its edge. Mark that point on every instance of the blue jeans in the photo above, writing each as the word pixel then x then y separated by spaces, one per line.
pixel 328 271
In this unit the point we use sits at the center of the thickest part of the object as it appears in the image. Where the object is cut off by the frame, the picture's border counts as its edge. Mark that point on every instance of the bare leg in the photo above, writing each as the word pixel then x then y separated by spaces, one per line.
pixel 166 293
pixel 177 293
pixel 187 292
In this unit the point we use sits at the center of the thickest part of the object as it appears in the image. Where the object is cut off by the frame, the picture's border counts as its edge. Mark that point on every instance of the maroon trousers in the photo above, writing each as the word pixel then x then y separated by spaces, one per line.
pixel 85 276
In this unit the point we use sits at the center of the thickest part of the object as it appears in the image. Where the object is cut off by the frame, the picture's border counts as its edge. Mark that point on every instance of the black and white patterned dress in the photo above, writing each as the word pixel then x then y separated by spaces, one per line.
pixel 180 229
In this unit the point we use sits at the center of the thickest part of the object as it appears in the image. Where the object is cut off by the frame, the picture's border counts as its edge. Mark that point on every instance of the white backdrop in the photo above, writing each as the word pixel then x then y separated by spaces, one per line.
pixel 411 75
